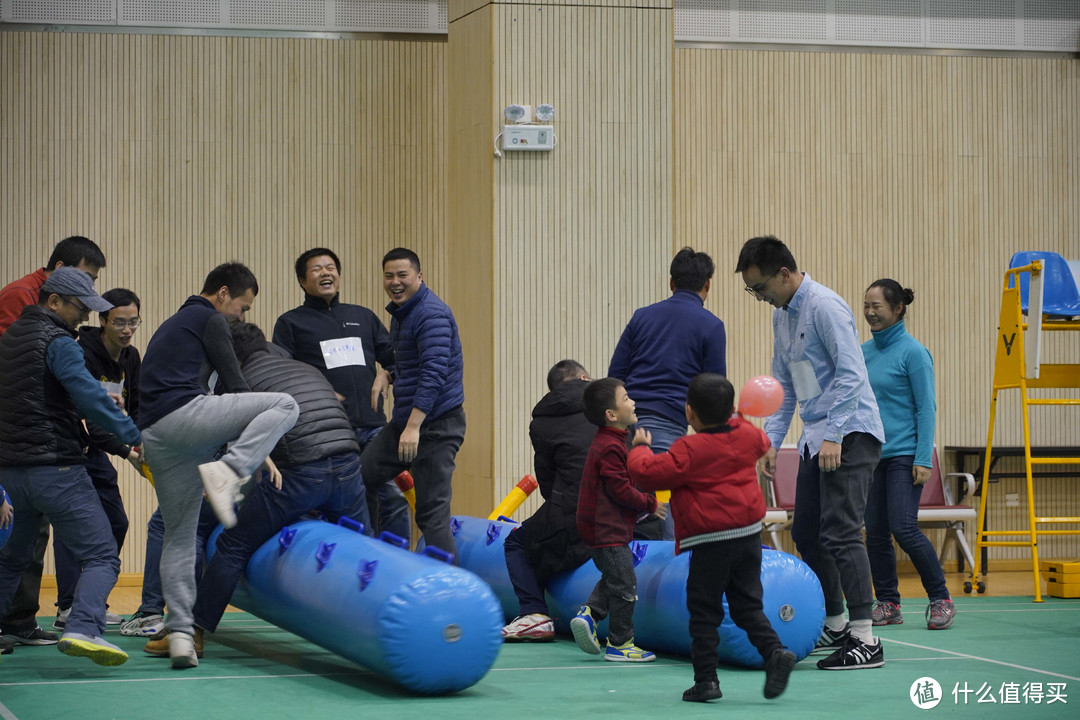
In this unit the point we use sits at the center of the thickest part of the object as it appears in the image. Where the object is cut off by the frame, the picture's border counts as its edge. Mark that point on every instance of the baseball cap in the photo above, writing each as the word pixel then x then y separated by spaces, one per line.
pixel 71 281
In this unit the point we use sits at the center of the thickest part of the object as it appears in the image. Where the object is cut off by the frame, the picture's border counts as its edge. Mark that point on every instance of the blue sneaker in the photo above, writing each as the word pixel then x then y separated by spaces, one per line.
pixel 584 629
pixel 628 652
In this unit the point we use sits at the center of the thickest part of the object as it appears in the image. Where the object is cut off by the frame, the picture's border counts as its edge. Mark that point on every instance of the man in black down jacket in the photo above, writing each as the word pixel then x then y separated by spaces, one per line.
pixel 319 461
pixel 547 543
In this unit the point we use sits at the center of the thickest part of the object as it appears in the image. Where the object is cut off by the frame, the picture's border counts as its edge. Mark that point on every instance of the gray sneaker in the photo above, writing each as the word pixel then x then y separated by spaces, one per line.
pixel 98 650
pixel 940 614
pixel 33 636
pixel 887 613
pixel 143 624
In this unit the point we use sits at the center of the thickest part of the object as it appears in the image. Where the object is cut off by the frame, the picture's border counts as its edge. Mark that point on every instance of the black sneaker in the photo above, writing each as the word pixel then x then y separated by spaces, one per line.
pixel 855 655
pixel 830 640
pixel 33 636
pixel 777 670
pixel 703 692
pixel 6 646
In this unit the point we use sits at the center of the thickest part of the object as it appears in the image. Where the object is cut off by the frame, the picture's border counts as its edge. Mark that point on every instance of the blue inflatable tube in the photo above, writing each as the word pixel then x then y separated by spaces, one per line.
pixel 5 532
pixel 430 627
pixel 792 596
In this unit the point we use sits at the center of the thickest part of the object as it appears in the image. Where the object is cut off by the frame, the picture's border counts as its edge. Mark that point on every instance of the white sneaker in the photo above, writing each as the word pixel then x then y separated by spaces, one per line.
pixel 143 625
pixel 61 619
pixel 221 484
pixel 536 627
pixel 112 618
pixel 182 651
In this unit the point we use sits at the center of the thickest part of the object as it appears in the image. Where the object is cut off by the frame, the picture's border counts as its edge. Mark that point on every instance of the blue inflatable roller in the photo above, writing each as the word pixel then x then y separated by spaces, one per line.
pixel 792 596
pixel 429 626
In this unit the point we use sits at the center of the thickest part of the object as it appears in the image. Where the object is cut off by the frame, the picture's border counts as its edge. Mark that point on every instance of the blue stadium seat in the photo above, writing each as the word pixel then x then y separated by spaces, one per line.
pixel 1060 294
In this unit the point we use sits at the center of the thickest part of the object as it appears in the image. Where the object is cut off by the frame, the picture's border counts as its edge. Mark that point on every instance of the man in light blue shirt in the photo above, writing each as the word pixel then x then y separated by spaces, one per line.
pixel 819 363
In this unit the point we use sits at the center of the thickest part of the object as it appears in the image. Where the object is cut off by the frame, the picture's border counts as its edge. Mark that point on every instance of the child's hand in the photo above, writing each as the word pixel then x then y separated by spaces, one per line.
pixel 642 437
pixel 5 514
pixel 662 511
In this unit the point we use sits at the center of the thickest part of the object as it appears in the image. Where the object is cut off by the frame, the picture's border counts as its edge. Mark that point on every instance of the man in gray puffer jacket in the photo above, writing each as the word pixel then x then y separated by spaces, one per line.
pixel 319 461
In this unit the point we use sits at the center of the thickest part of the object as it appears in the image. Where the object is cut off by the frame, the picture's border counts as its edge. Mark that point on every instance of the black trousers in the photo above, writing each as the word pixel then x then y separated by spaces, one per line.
pixel 731 567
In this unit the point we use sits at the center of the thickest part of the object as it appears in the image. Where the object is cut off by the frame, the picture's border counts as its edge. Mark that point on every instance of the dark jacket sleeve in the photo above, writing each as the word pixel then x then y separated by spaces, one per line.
pixel 217 341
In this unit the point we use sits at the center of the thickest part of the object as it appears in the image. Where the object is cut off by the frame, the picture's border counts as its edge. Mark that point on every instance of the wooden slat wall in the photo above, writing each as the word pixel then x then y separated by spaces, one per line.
pixel 583 233
pixel 931 170
pixel 177 153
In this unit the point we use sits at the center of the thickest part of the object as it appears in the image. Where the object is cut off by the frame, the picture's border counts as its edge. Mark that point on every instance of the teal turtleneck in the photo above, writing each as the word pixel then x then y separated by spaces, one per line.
pixel 901 373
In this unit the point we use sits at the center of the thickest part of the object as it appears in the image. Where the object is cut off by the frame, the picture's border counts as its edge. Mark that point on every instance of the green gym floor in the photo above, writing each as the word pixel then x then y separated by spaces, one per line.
pixel 999 648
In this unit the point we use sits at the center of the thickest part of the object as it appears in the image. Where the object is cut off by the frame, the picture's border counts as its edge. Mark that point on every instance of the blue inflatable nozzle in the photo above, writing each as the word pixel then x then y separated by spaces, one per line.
pixel 285 539
pixel 322 555
pixel 493 532
pixel 366 573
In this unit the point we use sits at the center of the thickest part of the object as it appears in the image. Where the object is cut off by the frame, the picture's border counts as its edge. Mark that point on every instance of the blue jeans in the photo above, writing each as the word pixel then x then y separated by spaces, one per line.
pixel 103 475
pixel 664 433
pixel 67 496
pixel 153 599
pixel 332 485
pixel 384 500
pixel 892 510
pixel 827 527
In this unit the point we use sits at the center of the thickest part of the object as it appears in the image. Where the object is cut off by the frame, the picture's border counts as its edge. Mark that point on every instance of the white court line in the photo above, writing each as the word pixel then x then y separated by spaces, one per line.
pixel 183 679
pixel 981 659
pixel 6 714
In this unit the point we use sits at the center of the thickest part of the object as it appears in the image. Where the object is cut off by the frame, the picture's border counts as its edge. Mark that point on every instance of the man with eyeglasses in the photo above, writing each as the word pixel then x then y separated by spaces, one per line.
pixel 114 361
pixel 82 253
pixel 818 360
pixel 45 392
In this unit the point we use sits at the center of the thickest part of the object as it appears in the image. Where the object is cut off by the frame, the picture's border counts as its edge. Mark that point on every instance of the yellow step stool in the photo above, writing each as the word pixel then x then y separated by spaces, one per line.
pixel 1061 567
pixel 1062 586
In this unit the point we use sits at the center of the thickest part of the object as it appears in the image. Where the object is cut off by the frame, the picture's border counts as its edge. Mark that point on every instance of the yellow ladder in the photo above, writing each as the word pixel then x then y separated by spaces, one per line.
pixel 1013 369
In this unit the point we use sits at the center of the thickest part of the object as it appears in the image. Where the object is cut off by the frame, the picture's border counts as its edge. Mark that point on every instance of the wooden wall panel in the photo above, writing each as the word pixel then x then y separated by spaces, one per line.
pixel 178 153
pixel 932 170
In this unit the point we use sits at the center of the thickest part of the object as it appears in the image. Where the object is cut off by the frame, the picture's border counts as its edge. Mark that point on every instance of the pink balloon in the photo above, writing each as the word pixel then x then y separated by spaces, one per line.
pixel 761 396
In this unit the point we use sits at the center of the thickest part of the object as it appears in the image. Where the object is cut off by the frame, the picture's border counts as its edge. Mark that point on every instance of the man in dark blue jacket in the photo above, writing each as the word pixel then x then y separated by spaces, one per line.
pixel 45 392
pixel 428 423
pixel 184 426
pixel 666 345
pixel 344 342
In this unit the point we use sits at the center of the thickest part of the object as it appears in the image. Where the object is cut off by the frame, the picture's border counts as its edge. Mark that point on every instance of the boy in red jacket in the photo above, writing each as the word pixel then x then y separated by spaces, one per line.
pixel 608 507
pixel 718 506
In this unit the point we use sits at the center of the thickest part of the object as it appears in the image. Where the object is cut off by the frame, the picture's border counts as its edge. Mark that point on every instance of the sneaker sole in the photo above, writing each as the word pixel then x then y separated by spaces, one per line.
pixel 544 637
pixel 35 643
pixel 96 653
pixel 184 662
pixel 775 688
pixel 890 621
pixel 868 666
pixel 623 658
pixel 943 627
pixel 142 632
pixel 584 637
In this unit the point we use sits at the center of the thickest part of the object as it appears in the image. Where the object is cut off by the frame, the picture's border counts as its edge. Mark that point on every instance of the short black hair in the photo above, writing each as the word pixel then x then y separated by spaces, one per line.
pixel 712 398
pixel 563 371
pixel 75 249
pixel 302 261
pixel 690 270
pixel 237 277
pixel 598 398
pixel 248 339
pixel 120 297
pixel 895 294
pixel 401 253
pixel 768 254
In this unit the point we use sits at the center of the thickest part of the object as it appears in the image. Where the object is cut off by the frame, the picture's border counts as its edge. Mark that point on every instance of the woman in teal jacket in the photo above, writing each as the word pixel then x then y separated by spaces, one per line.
pixel 901 373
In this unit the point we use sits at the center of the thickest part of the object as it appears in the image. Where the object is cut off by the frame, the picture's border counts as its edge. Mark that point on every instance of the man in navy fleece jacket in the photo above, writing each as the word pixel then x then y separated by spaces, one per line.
pixel 665 346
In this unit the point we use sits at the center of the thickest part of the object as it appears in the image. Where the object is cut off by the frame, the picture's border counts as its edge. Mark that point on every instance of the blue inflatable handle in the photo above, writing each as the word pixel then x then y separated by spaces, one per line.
pixel 366 573
pixel 285 539
pixel 348 522
pixel 493 532
pixel 638 551
pixel 503 518
pixel 396 540
pixel 322 555
pixel 434 552
pixel 455 526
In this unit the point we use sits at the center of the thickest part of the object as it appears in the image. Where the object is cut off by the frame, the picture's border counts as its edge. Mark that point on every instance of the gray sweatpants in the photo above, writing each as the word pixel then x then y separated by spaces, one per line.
pixel 175 447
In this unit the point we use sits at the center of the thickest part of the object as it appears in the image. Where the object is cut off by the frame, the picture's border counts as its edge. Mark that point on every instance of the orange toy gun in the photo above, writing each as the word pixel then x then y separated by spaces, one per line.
pixel 517 496
pixel 404 482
